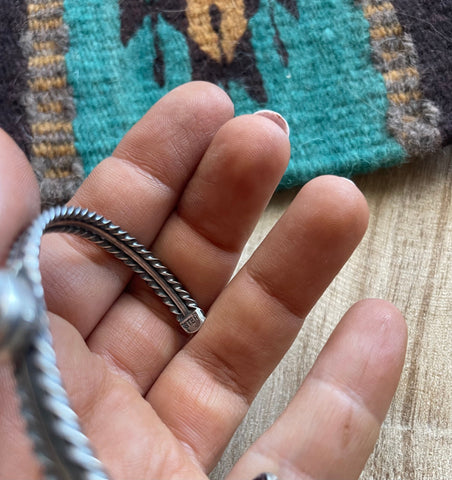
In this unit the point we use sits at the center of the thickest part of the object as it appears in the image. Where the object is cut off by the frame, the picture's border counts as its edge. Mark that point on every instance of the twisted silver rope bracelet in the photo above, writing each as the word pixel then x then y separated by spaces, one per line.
pixel 25 339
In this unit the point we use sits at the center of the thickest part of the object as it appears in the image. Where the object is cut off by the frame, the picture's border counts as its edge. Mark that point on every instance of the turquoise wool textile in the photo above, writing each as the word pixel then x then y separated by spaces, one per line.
pixel 309 60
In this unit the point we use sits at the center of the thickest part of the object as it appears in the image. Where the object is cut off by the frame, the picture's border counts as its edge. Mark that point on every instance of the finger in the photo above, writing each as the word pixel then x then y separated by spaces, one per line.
pixel 137 189
pixel 19 194
pixel 331 426
pixel 19 204
pixel 126 434
pixel 201 243
pixel 255 320
pixel 204 238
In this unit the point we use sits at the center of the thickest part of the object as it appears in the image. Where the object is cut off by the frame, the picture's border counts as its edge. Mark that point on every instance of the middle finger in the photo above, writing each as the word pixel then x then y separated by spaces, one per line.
pixel 201 243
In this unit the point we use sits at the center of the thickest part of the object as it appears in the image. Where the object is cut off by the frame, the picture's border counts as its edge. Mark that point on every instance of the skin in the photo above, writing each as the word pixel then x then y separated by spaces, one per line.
pixel 190 182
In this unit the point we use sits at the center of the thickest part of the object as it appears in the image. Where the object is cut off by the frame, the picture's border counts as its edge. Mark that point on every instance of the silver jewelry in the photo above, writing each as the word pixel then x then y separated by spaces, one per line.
pixel 64 451
pixel 266 476
pixel 25 338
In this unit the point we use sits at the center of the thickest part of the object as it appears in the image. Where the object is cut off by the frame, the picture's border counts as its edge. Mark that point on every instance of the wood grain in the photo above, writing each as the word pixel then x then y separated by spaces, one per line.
pixel 405 257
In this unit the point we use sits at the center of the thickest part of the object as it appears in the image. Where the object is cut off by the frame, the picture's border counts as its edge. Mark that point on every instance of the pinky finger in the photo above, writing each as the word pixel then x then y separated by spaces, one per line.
pixel 331 426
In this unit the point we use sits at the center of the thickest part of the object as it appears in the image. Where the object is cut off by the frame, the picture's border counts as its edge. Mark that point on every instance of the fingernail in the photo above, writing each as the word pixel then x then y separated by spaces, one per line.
pixel 277 118
pixel 348 180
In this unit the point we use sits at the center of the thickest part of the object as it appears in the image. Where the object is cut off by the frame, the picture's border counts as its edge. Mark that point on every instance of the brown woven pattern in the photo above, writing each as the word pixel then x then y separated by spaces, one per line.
pixel 412 118
pixel 49 103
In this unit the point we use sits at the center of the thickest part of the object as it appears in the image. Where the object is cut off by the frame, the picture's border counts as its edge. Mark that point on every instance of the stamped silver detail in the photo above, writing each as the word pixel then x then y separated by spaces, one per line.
pixel 193 321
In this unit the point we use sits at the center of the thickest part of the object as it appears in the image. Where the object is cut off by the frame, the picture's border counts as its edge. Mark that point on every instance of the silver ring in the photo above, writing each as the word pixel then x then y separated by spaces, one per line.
pixel 266 476
pixel 64 451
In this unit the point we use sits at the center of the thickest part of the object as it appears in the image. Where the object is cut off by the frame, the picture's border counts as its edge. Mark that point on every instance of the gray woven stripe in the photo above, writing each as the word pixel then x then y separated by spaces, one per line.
pixel 50 96
pixel 49 103
pixel 59 35
pixel 411 118
pixel 51 70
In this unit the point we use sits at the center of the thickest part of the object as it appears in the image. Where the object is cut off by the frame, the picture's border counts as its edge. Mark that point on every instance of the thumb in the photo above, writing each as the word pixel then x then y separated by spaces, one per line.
pixel 19 193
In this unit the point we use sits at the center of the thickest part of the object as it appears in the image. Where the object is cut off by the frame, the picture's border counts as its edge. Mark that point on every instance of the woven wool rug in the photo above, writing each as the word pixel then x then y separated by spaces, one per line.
pixel 363 84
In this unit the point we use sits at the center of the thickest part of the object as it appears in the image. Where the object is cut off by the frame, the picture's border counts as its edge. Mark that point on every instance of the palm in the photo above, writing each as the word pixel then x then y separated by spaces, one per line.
pixel 190 183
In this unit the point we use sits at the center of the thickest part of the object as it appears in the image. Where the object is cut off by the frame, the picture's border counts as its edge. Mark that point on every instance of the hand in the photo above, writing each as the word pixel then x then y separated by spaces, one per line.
pixel 189 181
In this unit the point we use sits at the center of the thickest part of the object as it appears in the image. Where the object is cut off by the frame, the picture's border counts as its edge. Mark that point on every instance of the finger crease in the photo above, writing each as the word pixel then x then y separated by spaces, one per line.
pixel 119 368
pixel 87 409
pixel 224 374
pixel 217 243
pixel 342 390
pixel 152 177
pixel 153 304
pixel 267 289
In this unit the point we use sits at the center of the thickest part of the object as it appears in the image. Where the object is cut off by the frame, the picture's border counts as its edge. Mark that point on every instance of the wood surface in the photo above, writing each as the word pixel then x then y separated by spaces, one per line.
pixel 405 257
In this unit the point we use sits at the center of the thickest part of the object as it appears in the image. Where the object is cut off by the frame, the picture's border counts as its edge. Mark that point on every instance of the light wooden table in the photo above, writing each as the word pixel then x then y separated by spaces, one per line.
pixel 405 257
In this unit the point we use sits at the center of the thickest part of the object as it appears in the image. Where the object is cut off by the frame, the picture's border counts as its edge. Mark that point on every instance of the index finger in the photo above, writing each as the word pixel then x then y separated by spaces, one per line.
pixel 137 189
